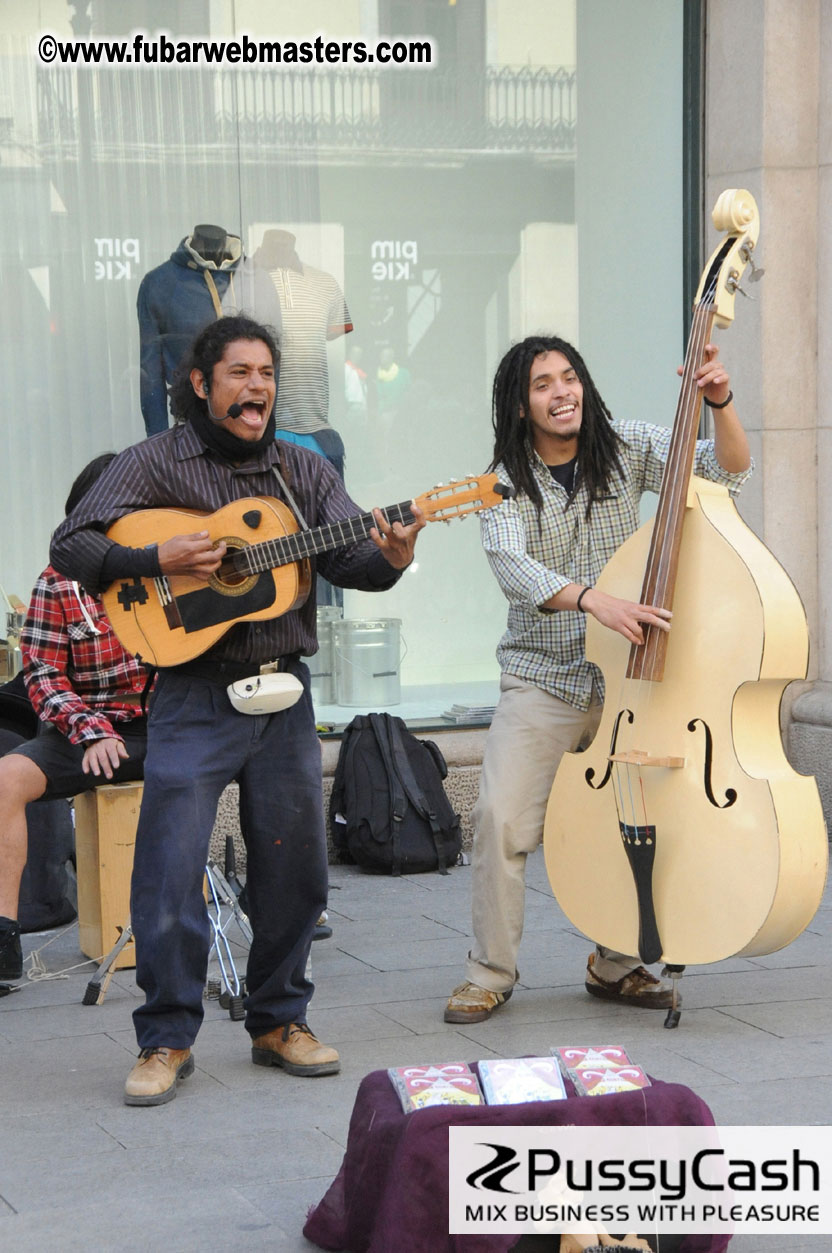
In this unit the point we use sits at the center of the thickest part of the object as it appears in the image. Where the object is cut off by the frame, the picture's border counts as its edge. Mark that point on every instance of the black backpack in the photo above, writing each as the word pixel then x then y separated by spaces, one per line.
pixel 389 812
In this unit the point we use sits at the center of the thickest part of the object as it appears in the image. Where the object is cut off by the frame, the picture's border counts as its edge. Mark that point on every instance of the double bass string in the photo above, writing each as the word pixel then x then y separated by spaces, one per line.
pixel 658 568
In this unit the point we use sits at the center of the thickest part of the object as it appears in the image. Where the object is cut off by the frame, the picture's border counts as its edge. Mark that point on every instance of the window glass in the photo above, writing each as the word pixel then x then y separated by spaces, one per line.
pixel 403 224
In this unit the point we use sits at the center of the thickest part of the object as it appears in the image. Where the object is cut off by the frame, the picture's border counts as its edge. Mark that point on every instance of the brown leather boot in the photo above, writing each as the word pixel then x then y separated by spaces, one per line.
pixel 153 1079
pixel 295 1048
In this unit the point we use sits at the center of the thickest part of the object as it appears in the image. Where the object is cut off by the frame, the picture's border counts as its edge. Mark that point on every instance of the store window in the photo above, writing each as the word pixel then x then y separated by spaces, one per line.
pixel 404 224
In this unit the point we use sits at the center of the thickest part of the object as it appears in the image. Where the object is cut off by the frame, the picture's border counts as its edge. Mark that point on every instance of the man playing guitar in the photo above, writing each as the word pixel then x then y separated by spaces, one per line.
pixel 222 449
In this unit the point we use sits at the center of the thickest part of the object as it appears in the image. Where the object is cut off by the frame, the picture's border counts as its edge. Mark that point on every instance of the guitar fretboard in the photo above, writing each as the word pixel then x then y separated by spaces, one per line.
pixel 270 554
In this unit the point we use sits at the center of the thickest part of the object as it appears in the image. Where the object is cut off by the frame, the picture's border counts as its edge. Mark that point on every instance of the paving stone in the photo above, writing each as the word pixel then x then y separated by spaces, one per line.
pixel 752 986
pixel 49 1022
pixel 284 1200
pixel 73 1072
pixel 211 1216
pixel 406 954
pixel 790 1102
pixel 789 1019
pixel 376 987
pixel 333 960
pixel 31 994
pixel 415 926
pixel 358 1058
pixel 53 1135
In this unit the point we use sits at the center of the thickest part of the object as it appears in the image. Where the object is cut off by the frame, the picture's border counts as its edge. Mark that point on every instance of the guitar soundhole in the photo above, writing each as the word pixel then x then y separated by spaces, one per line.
pixel 229 578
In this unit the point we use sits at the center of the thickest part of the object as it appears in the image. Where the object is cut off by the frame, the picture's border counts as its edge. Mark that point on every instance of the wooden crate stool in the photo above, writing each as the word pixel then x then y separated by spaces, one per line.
pixel 105 835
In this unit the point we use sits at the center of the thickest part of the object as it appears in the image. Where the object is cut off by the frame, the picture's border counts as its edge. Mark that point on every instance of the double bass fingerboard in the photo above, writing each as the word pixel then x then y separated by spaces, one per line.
pixel 647 660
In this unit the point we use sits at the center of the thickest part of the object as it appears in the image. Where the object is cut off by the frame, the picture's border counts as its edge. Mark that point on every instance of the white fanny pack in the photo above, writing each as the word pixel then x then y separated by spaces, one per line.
pixel 264 693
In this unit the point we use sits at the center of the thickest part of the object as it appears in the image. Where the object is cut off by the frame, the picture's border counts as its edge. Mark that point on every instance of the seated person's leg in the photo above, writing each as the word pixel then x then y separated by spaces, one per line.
pixel 21 781
pixel 50 767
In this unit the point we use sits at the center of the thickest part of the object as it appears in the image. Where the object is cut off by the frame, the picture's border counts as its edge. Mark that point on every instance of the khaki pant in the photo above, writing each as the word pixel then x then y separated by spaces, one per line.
pixel 529 734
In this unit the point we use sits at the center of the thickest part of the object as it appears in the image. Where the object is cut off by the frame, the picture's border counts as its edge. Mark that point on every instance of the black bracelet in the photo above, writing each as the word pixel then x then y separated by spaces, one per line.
pixel 726 402
pixel 581 595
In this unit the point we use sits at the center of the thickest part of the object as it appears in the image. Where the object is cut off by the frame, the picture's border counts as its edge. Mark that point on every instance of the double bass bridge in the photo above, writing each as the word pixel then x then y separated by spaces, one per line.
pixel 635 757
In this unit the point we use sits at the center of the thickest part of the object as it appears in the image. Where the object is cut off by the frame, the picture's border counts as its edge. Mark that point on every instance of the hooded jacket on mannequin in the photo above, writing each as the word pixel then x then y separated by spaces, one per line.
pixel 180 297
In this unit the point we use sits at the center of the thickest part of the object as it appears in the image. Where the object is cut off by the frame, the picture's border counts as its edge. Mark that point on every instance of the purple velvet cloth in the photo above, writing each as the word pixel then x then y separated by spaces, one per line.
pixel 391 1192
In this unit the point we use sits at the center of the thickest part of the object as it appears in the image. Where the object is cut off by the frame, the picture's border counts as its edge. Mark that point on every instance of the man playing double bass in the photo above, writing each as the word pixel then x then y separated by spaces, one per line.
pixel 579 476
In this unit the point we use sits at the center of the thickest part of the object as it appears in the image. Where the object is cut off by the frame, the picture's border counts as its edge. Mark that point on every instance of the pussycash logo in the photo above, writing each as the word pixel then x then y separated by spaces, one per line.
pixel 493 1174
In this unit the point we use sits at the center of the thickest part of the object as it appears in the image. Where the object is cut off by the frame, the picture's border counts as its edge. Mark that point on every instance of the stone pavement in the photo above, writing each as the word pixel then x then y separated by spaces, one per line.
pixel 242 1153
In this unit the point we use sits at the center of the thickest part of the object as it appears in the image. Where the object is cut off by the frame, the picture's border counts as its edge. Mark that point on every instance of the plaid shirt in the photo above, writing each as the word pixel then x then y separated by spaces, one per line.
pixel 533 563
pixel 78 676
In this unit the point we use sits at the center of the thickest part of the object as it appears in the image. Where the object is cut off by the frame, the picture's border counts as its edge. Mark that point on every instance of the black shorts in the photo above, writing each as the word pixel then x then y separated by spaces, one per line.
pixel 61 760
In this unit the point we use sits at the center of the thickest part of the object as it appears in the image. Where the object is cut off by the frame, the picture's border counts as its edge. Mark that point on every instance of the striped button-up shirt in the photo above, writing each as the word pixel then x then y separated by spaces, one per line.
pixel 175 469
pixel 533 563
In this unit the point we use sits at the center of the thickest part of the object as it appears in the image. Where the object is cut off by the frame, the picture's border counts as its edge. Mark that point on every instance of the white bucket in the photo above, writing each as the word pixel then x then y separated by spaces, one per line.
pixel 322 665
pixel 368 659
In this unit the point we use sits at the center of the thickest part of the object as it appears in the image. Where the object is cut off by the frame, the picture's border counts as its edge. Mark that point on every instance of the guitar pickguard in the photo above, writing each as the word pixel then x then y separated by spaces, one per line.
pixel 208 607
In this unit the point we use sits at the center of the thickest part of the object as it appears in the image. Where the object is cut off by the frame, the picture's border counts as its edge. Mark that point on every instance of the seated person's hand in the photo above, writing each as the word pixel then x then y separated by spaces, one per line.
pixel 103 757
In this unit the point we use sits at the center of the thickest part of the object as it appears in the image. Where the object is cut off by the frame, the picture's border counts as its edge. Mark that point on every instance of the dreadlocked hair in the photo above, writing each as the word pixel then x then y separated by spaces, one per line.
pixel 598 443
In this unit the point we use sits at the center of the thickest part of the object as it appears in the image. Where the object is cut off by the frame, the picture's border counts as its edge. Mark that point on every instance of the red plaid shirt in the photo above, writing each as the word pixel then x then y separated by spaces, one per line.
pixel 78 676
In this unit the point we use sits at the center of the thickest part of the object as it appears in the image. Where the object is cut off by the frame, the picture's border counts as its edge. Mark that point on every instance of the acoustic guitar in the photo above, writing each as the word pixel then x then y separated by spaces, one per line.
pixel 170 619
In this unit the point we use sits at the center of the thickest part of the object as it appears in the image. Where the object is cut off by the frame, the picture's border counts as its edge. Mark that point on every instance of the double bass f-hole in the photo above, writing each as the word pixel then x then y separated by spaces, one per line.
pixel 730 793
pixel 590 773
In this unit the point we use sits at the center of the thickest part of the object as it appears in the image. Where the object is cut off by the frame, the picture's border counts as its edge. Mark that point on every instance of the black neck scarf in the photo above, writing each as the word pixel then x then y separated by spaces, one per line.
pixel 229 447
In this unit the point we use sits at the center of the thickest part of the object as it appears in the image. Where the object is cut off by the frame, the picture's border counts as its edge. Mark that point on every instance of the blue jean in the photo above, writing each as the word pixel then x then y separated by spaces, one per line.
pixel 197 744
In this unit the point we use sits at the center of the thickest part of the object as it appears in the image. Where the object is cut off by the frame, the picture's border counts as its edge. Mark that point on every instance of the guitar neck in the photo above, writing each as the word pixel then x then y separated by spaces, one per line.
pixel 270 554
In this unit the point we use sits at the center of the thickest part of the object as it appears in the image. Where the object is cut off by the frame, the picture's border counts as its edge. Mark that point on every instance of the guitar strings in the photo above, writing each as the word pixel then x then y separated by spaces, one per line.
pixel 270 554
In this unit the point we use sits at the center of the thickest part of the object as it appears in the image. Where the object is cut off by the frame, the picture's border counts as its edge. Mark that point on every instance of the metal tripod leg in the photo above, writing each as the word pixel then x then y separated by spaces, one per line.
pixel 96 989
pixel 222 893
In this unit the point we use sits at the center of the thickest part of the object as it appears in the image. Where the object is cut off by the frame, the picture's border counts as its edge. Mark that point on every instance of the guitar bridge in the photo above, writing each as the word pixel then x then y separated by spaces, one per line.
pixel 168 603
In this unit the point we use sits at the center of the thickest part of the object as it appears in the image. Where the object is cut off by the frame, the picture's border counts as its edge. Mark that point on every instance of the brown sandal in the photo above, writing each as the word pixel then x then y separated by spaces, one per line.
pixel 638 988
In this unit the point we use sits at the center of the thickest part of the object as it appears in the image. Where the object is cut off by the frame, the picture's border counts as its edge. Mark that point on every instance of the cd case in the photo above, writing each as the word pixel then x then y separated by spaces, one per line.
pixel 511 1081
pixel 446 1083
pixel 600 1069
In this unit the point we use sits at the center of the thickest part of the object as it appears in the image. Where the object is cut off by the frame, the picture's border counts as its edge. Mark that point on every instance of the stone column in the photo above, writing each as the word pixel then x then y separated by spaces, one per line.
pixel 768 97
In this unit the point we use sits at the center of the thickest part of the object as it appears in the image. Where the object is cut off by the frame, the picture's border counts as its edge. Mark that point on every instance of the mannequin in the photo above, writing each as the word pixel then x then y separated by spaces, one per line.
pixel 278 251
pixel 313 311
pixel 210 242
pixel 205 278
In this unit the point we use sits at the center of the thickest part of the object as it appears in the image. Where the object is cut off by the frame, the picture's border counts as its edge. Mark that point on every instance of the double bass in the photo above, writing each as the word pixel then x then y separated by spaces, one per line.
pixel 682 833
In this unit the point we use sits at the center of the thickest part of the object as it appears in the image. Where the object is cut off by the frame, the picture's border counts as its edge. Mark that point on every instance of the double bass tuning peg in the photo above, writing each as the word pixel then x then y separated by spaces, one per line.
pixel 757 271
pixel 732 284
